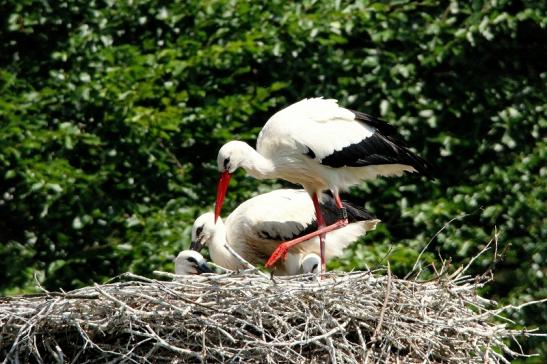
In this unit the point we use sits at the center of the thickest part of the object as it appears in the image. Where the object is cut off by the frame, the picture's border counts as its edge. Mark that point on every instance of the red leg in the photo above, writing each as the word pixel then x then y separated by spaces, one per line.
pixel 283 248
pixel 320 225
pixel 338 201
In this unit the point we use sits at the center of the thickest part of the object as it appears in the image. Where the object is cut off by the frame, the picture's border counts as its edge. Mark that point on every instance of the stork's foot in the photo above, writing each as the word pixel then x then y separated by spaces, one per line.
pixel 280 252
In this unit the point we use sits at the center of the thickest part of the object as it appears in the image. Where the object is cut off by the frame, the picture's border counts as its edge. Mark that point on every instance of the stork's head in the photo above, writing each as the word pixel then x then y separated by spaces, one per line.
pixel 230 157
pixel 311 263
pixel 203 231
pixel 191 262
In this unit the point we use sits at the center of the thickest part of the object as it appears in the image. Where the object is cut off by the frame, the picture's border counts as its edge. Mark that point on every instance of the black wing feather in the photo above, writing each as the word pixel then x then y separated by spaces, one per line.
pixel 385 146
pixel 385 128
pixel 274 230
pixel 330 211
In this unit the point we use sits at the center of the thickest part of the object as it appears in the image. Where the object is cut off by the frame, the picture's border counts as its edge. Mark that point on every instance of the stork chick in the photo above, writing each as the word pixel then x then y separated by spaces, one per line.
pixel 190 262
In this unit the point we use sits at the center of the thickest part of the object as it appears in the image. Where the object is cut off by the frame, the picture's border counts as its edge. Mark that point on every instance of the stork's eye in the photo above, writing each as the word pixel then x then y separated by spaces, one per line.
pixel 199 230
pixel 226 163
pixel 192 260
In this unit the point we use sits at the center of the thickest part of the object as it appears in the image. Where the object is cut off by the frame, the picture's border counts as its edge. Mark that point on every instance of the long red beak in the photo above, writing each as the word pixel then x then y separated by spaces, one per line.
pixel 222 186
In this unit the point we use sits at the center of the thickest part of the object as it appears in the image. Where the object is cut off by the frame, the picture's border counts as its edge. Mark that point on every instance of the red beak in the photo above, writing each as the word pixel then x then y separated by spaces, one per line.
pixel 222 186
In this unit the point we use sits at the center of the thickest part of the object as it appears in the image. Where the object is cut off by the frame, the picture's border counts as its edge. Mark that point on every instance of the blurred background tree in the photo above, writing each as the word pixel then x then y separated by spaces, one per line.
pixel 112 113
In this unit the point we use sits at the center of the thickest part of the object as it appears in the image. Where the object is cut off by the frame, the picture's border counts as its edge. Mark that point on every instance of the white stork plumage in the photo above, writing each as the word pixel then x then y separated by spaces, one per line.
pixel 321 146
pixel 256 228
pixel 190 262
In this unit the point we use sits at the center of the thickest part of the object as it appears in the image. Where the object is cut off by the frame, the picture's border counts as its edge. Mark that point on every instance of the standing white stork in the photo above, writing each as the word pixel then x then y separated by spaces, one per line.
pixel 256 228
pixel 191 262
pixel 321 146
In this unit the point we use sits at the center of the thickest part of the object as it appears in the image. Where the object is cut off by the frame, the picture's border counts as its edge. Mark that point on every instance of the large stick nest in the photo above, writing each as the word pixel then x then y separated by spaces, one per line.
pixel 248 317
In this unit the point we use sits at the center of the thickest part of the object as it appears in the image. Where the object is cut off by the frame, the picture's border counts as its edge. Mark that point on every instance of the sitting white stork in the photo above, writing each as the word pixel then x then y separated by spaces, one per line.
pixel 321 146
pixel 256 228
pixel 191 262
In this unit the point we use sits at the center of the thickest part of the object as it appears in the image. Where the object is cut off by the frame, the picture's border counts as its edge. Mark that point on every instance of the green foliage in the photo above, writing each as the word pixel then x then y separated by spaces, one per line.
pixel 112 113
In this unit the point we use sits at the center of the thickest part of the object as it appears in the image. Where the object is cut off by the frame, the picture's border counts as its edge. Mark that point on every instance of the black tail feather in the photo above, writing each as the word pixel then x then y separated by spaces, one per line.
pixel 330 210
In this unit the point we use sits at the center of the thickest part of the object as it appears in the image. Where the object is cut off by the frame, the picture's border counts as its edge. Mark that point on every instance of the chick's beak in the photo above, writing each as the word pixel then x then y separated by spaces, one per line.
pixel 203 268
pixel 222 187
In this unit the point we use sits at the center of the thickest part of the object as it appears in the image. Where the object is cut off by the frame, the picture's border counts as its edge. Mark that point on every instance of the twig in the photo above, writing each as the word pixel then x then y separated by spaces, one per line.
pixel 384 306
pixel 307 341
pixel 243 261
pixel 418 260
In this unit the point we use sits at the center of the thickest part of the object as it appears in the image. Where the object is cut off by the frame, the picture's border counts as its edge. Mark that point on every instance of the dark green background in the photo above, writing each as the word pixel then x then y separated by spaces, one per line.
pixel 112 113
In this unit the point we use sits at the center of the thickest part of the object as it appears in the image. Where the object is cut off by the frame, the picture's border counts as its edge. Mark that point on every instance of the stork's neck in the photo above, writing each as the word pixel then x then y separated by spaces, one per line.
pixel 256 165
pixel 219 254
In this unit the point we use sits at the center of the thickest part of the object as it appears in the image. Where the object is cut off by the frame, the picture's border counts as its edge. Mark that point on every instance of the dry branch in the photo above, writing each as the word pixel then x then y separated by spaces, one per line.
pixel 246 317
